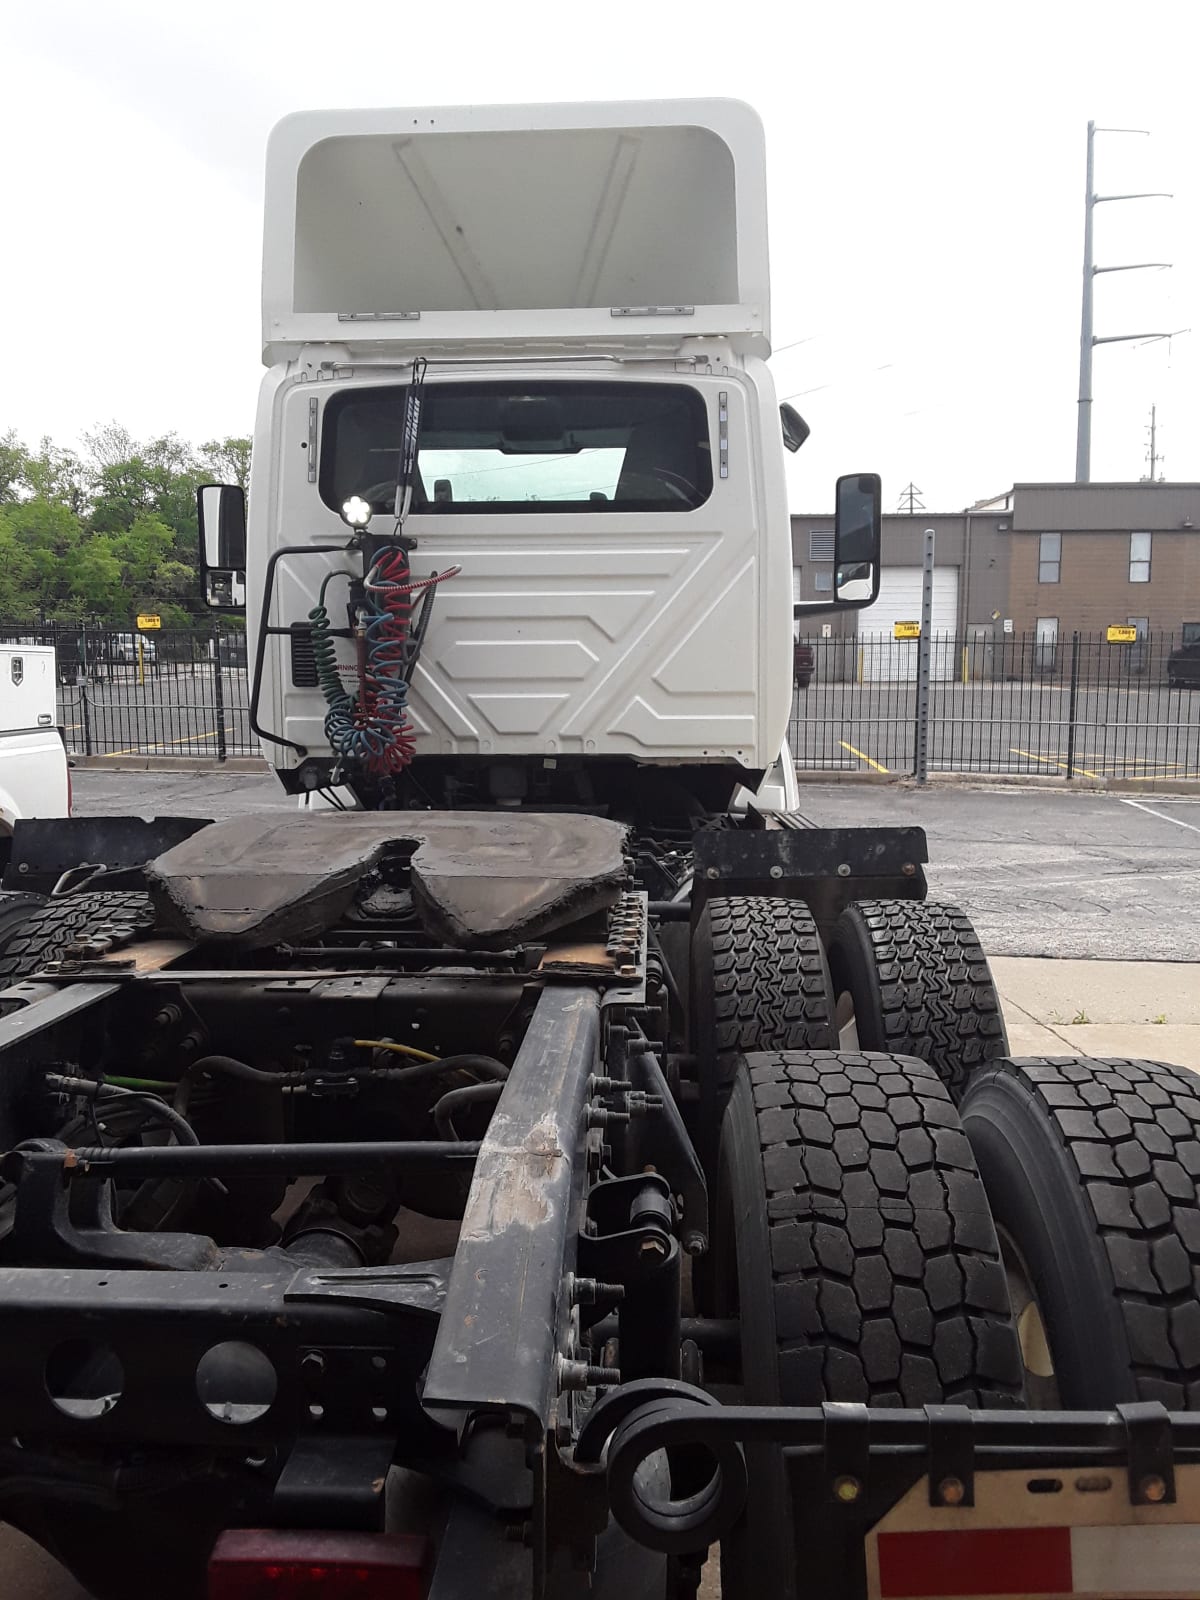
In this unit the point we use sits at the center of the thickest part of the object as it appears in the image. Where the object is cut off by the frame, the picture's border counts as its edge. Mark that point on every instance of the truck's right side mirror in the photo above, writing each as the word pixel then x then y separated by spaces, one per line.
pixel 221 513
pixel 857 530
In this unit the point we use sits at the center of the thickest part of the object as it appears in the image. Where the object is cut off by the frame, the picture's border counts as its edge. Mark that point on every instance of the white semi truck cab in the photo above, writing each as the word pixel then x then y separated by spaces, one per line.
pixel 519 355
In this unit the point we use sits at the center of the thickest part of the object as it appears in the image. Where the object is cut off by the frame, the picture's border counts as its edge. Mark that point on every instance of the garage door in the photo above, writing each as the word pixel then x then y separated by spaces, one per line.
pixel 887 659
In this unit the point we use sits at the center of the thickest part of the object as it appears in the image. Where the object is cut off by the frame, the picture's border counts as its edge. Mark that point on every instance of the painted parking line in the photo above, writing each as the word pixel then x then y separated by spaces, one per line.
pixel 162 744
pixel 1140 805
pixel 862 756
pixel 1110 767
pixel 1013 750
pixel 1159 777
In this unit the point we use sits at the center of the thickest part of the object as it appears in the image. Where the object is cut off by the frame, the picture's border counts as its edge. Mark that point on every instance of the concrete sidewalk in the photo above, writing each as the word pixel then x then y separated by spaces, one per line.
pixel 1101 1008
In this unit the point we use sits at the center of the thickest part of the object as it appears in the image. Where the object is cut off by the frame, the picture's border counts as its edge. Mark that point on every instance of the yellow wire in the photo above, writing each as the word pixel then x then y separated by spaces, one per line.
pixel 396 1049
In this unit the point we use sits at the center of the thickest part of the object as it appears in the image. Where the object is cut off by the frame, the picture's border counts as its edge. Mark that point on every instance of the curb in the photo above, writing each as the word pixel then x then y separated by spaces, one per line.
pixel 1007 780
pixel 240 765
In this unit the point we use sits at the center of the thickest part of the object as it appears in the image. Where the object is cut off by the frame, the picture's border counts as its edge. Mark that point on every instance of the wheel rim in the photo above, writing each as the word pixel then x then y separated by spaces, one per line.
pixel 1041 1382
pixel 846 1022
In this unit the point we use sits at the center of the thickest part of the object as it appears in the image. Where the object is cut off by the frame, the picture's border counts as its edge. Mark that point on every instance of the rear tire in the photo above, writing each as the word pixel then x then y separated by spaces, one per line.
pixel 916 979
pixel 854 1242
pixel 760 979
pixel 16 907
pixel 51 928
pixel 1091 1168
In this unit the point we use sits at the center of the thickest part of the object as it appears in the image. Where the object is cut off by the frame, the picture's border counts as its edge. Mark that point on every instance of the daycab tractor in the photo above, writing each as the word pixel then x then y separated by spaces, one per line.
pixel 536 1161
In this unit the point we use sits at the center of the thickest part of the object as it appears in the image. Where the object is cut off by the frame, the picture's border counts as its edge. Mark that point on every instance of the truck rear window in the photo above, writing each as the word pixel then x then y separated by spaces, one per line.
pixel 518 446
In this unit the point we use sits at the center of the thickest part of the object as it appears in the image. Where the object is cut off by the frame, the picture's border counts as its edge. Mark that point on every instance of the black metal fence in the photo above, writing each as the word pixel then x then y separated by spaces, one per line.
pixel 998 703
pixel 1081 706
pixel 170 692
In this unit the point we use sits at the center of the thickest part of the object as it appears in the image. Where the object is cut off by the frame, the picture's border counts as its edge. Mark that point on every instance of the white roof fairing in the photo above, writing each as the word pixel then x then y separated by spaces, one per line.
pixel 600 225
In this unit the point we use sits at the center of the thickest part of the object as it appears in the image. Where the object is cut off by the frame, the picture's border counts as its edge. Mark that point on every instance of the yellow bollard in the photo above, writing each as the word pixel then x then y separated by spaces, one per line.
pixel 141 663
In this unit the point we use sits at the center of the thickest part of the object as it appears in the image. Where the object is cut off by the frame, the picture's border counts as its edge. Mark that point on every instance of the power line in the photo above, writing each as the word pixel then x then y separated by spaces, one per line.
pixel 910 500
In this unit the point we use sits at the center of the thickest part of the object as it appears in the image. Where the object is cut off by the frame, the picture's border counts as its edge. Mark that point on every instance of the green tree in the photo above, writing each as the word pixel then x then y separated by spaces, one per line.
pixel 15 571
pixel 228 460
pixel 95 578
pixel 57 476
pixel 46 536
pixel 108 532
pixel 13 461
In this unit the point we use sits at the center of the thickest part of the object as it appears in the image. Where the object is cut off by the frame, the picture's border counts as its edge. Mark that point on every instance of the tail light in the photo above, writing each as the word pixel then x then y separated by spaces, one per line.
pixel 295 1564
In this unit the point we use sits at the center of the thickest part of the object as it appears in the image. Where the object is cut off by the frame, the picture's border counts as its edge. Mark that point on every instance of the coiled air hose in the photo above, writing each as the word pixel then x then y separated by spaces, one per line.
pixel 372 727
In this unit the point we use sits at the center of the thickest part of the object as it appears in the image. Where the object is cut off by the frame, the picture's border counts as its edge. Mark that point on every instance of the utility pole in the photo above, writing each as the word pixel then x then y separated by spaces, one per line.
pixel 910 500
pixel 1087 340
pixel 1152 430
pixel 924 662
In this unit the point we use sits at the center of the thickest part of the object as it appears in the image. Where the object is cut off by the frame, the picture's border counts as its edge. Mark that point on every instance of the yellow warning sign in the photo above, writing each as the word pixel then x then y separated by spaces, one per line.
pixel 147 622
pixel 1122 635
pixel 906 630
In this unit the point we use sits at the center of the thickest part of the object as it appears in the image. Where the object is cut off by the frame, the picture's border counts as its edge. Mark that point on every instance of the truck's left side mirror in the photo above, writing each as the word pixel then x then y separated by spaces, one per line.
pixel 795 429
pixel 857 530
pixel 221 513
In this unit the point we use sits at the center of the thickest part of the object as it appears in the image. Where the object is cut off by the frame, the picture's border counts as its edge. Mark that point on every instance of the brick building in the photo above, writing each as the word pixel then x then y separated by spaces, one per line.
pixel 1085 556
pixel 1045 558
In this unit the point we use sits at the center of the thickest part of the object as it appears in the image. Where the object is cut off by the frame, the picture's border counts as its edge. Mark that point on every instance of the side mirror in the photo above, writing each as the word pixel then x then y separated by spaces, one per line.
pixel 221 513
pixel 858 526
pixel 795 429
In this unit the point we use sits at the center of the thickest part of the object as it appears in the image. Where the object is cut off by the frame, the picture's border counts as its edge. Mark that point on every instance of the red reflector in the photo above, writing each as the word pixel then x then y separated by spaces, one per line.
pixel 1029 1561
pixel 287 1564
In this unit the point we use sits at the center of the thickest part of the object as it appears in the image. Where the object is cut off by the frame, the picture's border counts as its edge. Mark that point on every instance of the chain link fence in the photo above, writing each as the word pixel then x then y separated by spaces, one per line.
pixel 1082 706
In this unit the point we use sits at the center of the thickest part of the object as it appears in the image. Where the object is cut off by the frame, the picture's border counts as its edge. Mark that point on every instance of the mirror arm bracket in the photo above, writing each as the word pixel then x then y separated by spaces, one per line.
pixel 824 608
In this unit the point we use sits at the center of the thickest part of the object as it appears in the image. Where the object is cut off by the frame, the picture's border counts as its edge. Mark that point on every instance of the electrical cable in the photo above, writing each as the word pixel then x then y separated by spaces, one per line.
pixel 89 1089
pixel 394 1049
pixel 423 1066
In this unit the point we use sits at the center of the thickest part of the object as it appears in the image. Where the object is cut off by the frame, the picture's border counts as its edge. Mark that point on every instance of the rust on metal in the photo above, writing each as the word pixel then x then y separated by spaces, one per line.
pixel 477 879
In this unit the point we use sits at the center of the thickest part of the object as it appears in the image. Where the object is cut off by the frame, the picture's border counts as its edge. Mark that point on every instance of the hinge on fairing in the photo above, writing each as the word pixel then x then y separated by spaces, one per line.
pixel 652 311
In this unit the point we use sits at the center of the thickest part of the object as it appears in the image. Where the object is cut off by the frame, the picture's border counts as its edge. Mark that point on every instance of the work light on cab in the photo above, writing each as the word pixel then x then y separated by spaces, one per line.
pixel 356 512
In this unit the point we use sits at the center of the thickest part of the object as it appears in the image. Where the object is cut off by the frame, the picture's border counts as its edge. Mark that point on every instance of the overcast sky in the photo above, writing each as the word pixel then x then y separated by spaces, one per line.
pixel 926 191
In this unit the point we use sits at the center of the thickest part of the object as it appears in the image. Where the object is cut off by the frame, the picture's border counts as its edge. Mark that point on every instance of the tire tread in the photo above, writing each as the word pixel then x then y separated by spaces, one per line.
pixel 936 997
pixel 50 929
pixel 1130 1132
pixel 888 1286
pixel 770 985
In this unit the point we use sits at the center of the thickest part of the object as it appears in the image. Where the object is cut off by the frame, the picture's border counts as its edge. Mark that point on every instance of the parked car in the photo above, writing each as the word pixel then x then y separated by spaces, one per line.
pixel 804 661
pixel 1183 666
pixel 231 649
pixel 123 649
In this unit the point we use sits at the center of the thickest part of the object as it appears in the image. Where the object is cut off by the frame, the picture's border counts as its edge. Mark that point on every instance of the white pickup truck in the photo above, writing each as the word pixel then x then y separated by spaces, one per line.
pixel 34 775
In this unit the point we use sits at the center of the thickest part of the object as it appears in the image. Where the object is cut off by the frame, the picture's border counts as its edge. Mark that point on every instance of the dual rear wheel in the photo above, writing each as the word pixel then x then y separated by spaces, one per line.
pixel 959 1229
